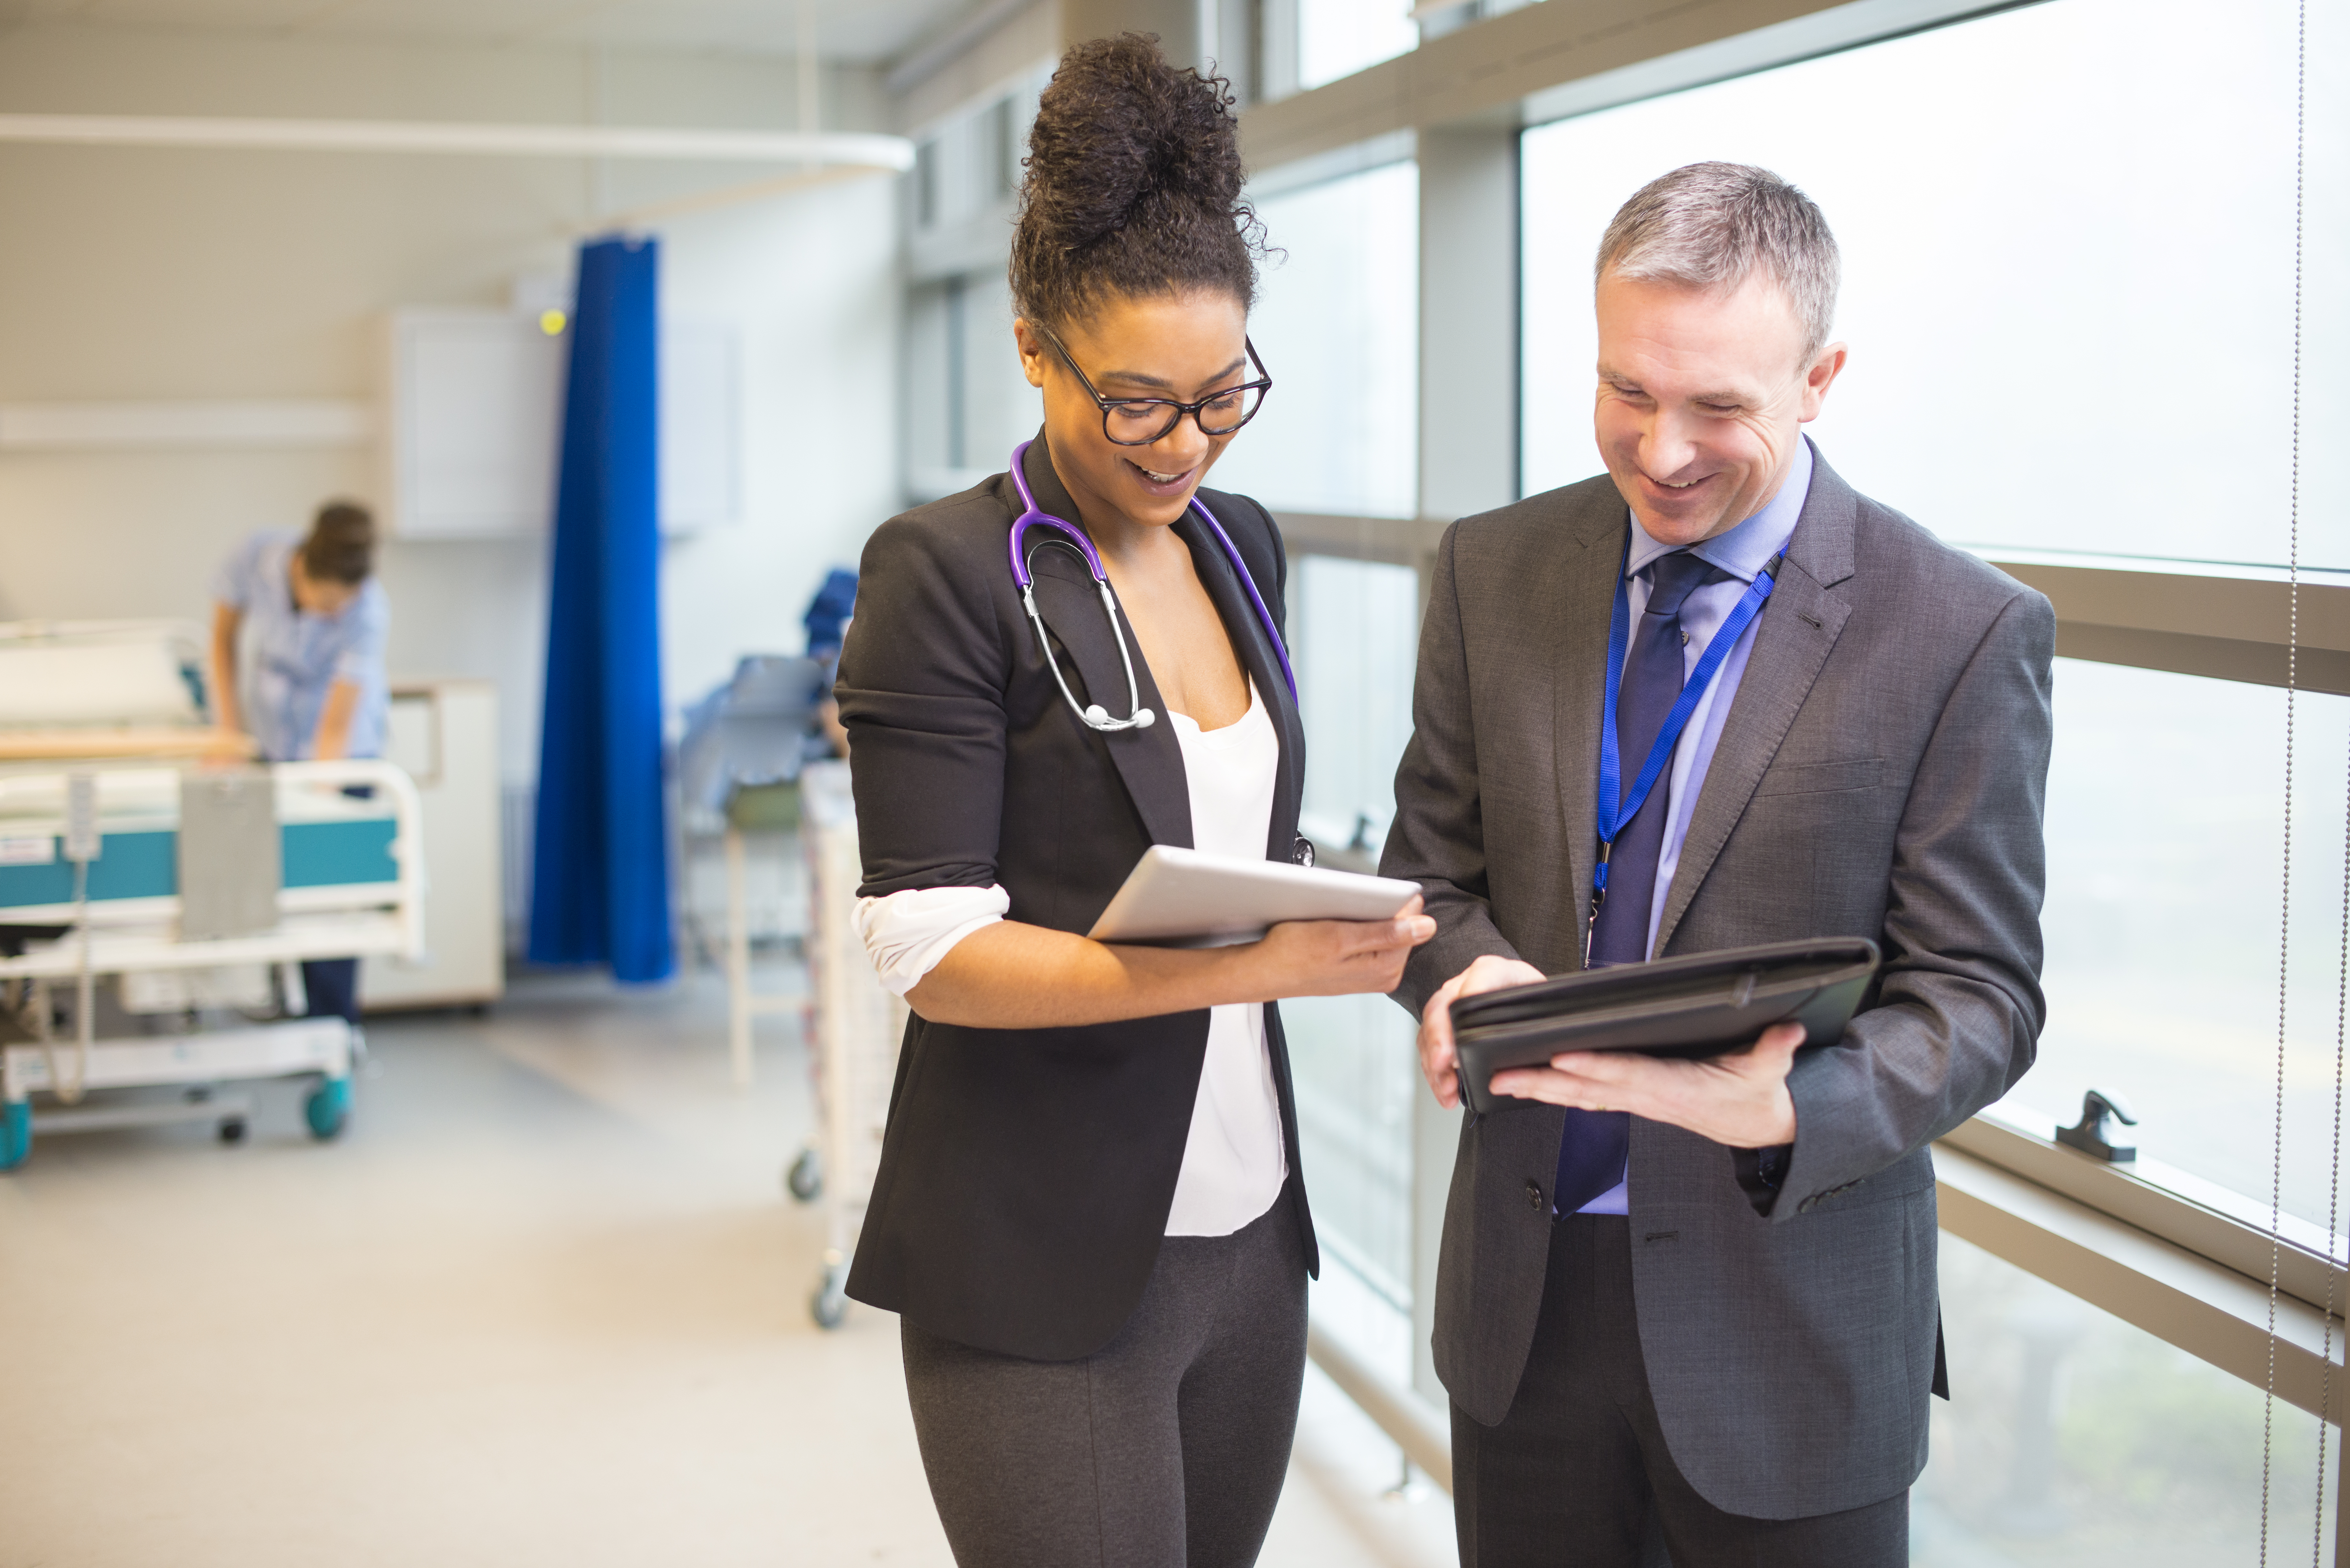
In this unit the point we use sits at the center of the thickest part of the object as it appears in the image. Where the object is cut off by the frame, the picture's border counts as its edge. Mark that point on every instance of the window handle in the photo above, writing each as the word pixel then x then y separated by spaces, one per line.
pixel 2094 1136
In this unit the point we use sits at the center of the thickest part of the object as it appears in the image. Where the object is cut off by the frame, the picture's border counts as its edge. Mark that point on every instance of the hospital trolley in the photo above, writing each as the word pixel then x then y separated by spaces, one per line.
pixel 858 1024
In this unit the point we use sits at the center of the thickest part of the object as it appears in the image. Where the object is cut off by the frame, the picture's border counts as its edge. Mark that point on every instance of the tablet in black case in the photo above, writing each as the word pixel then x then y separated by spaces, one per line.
pixel 1700 1005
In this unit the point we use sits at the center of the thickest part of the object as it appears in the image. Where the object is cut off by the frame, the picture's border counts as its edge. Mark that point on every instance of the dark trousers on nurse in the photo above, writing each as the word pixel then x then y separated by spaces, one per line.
pixel 1166 1449
pixel 1578 1476
pixel 332 987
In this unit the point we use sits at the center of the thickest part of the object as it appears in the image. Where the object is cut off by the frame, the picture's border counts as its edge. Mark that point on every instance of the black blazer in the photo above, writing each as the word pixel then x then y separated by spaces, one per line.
pixel 1027 1174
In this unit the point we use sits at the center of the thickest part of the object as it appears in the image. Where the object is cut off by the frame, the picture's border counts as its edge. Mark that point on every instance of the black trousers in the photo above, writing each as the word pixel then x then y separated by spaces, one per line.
pixel 1578 1476
pixel 1166 1449
pixel 332 986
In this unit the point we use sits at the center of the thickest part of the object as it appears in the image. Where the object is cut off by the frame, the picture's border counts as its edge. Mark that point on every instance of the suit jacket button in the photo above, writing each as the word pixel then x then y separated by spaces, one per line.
pixel 1534 1195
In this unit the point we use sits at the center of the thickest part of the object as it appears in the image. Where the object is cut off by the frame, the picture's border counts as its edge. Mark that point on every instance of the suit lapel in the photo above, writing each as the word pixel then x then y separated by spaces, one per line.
pixel 1150 761
pixel 1793 637
pixel 1219 575
pixel 1582 593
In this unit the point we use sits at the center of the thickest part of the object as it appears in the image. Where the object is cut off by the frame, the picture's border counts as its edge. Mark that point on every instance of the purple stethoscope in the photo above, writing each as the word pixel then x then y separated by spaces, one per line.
pixel 1070 537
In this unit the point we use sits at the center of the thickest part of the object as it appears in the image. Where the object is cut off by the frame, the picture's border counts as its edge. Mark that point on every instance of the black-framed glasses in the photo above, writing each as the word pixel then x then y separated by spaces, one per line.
pixel 1138 421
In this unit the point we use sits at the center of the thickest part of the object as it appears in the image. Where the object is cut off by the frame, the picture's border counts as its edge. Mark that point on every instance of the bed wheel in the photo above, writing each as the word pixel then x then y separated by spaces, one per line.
pixel 232 1131
pixel 830 1302
pixel 328 1108
pixel 805 1180
pixel 16 1134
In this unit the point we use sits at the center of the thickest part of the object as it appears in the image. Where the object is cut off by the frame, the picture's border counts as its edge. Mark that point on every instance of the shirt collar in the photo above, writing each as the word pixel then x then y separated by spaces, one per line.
pixel 1746 549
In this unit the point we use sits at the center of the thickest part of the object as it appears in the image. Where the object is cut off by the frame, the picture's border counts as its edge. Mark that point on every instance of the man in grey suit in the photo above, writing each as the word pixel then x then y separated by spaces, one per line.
pixel 1692 1303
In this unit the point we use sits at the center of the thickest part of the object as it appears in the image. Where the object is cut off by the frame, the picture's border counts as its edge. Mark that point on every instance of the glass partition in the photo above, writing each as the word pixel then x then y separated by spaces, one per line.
pixel 1353 628
pixel 2071 1438
pixel 2068 269
pixel 1355 640
pixel 1337 323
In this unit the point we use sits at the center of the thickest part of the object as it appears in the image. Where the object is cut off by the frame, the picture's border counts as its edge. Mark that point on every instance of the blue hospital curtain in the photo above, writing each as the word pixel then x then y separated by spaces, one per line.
pixel 600 874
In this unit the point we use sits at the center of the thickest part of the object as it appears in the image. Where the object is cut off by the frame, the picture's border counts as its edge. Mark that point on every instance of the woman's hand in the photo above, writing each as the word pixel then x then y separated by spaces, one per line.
pixel 1341 957
pixel 1010 975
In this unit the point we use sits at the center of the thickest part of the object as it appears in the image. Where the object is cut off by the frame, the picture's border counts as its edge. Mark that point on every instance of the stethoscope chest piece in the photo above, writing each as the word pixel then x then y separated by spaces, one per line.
pixel 1099 717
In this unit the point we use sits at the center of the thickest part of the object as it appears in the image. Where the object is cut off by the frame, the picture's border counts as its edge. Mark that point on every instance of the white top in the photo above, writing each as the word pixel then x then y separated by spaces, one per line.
pixel 1233 1162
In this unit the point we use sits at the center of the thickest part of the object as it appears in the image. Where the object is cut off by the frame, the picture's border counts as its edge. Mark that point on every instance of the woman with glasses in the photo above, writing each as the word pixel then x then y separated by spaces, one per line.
pixel 1089 1215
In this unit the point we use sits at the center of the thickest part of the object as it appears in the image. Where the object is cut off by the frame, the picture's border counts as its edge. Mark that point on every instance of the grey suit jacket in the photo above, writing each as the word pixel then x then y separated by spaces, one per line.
pixel 1880 774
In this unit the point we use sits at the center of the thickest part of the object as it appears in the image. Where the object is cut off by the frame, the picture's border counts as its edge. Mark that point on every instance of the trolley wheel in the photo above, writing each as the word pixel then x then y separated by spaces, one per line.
pixel 328 1109
pixel 232 1129
pixel 16 1134
pixel 805 1179
pixel 830 1303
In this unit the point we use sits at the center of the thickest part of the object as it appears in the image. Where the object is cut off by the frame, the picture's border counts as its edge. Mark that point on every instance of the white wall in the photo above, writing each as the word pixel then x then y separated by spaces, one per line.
pixel 154 273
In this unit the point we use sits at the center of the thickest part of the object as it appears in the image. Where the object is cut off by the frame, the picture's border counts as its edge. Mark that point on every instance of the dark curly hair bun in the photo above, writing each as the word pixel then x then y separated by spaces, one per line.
pixel 1133 186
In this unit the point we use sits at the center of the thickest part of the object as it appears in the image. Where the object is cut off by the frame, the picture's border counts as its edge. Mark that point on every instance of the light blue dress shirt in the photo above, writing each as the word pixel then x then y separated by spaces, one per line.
pixel 298 657
pixel 1741 552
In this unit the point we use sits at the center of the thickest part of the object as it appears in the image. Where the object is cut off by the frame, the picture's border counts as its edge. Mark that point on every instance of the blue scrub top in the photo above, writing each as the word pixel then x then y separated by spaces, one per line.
pixel 298 656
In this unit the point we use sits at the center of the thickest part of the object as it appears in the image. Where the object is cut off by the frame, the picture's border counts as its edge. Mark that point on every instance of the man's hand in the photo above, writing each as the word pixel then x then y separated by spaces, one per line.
pixel 1488 973
pixel 1739 1100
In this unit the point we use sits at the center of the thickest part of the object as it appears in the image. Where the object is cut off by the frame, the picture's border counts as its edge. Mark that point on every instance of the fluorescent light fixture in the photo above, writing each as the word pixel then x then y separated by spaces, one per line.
pixel 892 152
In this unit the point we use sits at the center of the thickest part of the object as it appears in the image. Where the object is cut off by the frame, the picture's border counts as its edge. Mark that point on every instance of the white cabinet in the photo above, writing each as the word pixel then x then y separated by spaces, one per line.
pixel 445 734
pixel 475 408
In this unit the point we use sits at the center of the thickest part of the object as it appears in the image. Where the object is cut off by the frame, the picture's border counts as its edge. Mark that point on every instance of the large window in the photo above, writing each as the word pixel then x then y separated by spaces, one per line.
pixel 1337 322
pixel 967 403
pixel 2166 845
pixel 2068 244
pixel 1338 38
pixel 2067 234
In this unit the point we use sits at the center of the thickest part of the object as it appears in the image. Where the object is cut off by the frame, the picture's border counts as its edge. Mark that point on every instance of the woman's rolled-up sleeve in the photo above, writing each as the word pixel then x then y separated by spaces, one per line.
pixel 922 678
pixel 907 934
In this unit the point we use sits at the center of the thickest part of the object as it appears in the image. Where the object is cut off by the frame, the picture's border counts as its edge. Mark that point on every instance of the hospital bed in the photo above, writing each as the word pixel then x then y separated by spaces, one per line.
pixel 129 858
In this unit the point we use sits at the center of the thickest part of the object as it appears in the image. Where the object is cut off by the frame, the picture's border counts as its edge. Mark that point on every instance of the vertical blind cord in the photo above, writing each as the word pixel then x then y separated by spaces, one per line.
pixel 2285 919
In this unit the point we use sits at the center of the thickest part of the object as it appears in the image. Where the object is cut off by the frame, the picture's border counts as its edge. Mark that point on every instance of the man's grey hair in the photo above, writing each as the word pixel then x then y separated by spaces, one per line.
pixel 1710 225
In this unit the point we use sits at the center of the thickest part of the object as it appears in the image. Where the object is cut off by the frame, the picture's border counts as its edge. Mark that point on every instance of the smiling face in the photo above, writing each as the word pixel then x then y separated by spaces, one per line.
pixel 1702 397
pixel 1184 346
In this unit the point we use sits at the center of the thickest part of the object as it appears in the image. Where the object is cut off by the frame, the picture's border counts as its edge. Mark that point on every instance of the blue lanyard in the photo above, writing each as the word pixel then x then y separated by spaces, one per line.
pixel 1616 809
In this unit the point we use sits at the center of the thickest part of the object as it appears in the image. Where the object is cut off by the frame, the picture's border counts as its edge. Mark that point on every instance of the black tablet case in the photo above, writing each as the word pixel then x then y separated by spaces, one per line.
pixel 1700 1005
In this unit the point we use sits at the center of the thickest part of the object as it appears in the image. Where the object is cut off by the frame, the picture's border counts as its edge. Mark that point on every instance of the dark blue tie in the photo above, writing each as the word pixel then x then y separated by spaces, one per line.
pixel 1592 1149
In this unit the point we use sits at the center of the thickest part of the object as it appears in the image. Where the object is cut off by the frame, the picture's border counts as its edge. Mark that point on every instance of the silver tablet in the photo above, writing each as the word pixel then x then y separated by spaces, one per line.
pixel 1180 898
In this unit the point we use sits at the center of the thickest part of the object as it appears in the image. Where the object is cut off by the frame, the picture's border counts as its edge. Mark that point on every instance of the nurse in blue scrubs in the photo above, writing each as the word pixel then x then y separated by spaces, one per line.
pixel 313 619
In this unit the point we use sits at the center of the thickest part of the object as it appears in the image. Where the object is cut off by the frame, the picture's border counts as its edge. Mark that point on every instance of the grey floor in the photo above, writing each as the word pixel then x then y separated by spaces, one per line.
pixel 545 1304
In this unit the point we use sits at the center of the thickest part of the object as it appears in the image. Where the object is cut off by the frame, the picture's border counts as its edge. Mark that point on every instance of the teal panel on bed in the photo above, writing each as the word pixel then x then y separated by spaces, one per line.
pixel 21 886
pixel 146 865
pixel 338 853
pixel 130 866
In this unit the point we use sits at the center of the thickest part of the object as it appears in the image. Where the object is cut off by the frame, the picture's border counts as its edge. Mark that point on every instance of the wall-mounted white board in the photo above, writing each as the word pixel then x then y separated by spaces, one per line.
pixel 474 410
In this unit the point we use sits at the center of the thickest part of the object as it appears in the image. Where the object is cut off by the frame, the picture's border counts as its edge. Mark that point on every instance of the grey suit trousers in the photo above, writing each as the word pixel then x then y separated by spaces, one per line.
pixel 1578 1475
pixel 1166 1449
